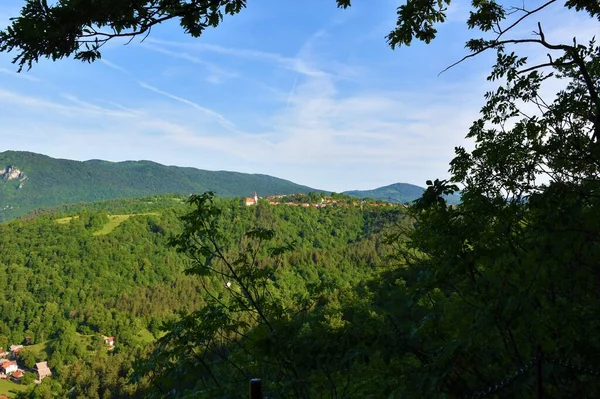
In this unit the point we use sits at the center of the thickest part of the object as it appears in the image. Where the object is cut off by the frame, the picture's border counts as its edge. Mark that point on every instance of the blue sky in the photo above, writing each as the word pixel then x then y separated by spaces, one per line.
pixel 300 90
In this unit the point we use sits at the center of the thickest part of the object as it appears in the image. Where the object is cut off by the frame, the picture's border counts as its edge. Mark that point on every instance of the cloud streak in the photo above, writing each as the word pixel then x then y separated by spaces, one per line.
pixel 220 118
pixel 217 74
pixel 114 66
pixel 22 75
pixel 293 64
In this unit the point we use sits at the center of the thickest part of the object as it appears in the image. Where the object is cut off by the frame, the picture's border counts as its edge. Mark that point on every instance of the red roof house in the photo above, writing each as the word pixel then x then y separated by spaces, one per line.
pixel 9 367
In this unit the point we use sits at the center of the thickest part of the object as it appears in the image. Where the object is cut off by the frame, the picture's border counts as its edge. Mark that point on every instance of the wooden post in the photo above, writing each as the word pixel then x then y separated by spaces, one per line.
pixel 539 371
pixel 255 389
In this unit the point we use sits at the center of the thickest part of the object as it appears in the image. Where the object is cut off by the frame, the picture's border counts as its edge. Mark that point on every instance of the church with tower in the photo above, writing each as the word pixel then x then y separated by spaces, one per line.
pixel 252 201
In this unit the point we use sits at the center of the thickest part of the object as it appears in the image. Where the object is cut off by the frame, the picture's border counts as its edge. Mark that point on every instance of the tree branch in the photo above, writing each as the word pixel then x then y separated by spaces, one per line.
pixel 500 34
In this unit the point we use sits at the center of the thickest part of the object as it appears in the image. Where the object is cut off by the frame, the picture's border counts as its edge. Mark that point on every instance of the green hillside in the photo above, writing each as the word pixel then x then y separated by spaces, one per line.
pixel 398 193
pixel 70 281
pixel 45 182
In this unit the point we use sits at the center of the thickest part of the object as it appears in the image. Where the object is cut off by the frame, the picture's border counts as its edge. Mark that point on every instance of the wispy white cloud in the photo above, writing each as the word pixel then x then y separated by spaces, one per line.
pixel 290 63
pixel 123 108
pixel 114 66
pixel 23 75
pixel 216 73
pixel 24 102
pixel 220 118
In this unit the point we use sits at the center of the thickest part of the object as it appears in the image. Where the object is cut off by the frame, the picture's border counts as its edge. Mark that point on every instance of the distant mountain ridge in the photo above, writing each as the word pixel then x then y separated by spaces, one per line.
pixel 29 181
pixel 397 192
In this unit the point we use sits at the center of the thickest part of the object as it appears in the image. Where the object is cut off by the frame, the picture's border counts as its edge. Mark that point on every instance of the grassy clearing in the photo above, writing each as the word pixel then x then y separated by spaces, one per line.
pixel 37 348
pixel 115 220
pixel 66 220
pixel 10 389
pixel 42 346
pixel 145 336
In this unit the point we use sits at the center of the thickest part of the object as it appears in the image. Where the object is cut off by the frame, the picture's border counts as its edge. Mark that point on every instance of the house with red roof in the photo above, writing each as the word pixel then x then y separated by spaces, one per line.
pixel 17 376
pixel 8 367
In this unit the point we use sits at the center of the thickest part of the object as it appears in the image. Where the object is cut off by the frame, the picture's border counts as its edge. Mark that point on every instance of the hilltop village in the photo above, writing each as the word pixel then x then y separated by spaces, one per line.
pixel 317 200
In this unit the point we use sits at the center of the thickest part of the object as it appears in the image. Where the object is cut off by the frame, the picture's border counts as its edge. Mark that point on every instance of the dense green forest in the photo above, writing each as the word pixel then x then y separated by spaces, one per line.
pixel 348 300
pixel 66 283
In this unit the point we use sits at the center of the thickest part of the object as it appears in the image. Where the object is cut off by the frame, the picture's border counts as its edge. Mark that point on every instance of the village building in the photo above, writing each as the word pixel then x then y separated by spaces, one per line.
pixel 109 341
pixel 14 349
pixel 42 370
pixel 252 201
pixel 8 367
pixel 2 375
pixel 17 376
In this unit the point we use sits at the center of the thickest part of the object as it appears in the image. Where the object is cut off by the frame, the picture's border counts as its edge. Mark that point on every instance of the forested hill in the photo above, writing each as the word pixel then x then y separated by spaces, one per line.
pixel 29 181
pixel 68 282
pixel 398 192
